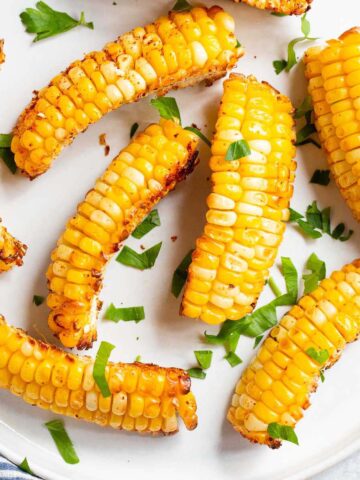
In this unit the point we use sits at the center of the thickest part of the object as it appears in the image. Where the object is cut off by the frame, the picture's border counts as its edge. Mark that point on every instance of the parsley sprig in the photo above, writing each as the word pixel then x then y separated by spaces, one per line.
pixel 303 136
pixel 317 222
pixel 6 153
pixel 47 22
pixel 287 65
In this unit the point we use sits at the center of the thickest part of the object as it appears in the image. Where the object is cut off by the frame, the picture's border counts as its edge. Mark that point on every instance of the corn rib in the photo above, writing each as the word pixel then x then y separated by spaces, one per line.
pixel 286 7
pixel 277 384
pixel 248 204
pixel 144 398
pixel 334 86
pixel 11 250
pixel 143 173
pixel 176 51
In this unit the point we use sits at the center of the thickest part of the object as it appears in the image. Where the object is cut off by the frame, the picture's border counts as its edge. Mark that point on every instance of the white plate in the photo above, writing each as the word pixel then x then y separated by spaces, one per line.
pixel 37 211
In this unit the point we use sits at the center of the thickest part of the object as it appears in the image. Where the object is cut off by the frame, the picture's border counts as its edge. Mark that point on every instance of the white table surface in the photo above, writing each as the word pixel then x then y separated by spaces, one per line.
pixel 348 469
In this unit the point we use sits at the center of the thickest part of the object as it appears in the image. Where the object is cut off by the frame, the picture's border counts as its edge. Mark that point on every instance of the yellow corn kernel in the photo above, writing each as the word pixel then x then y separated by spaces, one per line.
pixel 11 250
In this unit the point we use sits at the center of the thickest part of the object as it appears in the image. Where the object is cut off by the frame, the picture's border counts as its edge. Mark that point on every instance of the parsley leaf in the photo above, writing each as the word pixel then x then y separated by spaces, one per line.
pixel 320 356
pixel 46 22
pixel 141 261
pixel 38 300
pixel 6 153
pixel 129 314
pixel 322 376
pixel 181 6
pixel 196 372
pixel 287 65
pixel 62 441
pixel 133 129
pixel 203 358
pixel 24 466
pixel 258 340
pixel 304 108
pixel 237 150
pixel 283 432
pixel 233 359
pixel 150 222
pixel 167 108
pixel 180 275
pixel 321 177
pixel 317 223
pixel 199 134
pixel 101 361
pixel 318 272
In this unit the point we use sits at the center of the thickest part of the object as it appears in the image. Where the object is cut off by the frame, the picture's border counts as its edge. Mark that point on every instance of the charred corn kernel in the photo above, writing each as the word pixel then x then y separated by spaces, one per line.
pixel 334 85
pixel 53 379
pixel 11 250
pixel 287 7
pixel 283 372
pixel 175 51
pixel 118 202
pixel 248 203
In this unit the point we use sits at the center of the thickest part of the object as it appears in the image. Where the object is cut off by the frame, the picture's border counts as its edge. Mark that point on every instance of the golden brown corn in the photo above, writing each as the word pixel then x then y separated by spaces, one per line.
pixel 334 86
pixel 174 52
pixel 277 384
pixel 2 53
pixel 248 203
pixel 287 7
pixel 11 250
pixel 144 172
pixel 144 398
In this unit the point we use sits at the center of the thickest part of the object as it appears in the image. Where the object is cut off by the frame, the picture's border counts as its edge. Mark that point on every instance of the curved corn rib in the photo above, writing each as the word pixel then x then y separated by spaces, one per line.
pixel 174 52
pixel 287 7
pixel 334 86
pixel 248 204
pixel 144 398
pixel 11 250
pixel 277 384
pixel 143 173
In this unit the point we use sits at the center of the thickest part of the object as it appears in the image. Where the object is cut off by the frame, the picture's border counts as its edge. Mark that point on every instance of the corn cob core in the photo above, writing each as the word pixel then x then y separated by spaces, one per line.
pixel 248 204
pixel 277 384
pixel 287 7
pixel 11 250
pixel 144 172
pixel 174 52
pixel 144 398
pixel 334 86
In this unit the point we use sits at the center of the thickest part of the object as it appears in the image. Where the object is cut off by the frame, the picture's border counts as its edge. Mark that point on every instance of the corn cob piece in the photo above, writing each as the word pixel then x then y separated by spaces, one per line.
pixel 287 7
pixel 11 250
pixel 248 203
pixel 334 86
pixel 143 173
pixel 176 51
pixel 2 53
pixel 277 384
pixel 144 398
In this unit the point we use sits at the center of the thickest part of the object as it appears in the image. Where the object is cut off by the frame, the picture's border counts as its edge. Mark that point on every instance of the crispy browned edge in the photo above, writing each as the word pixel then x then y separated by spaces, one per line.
pixel 19 251
pixel 302 6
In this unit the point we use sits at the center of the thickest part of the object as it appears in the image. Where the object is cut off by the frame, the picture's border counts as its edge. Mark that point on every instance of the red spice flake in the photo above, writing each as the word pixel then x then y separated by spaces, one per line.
pixel 173 238
pixel 102 141
pixel 142 247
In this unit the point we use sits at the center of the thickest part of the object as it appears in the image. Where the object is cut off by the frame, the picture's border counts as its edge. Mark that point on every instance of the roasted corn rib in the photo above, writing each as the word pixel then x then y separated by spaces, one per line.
pixel 2 53
pixel 144 398
pixel 277 384
pixel 174 52
pixel 287 7
pixel 334 86
pixel 11 250
pixel 248 203
pixel 144 172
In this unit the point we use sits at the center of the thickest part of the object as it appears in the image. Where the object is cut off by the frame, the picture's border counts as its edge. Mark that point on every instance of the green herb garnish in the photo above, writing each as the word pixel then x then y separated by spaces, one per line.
pixel 274 287
pixel 321 177
pixel 150 222
pixel 203 358
pixel 283 432
pixel 318 272
pixel 46 22
pixel 133 129
pixel 233 359
pixel 317 222
pixel 141 261
pixel 167 108
pixel 199 134
pixel 181 6
pixel 6 153
pixel 62 441
pixel 24 466
pixel 38 300
pixel 129 314
pixel 237 150
pixel 180 275
pixel 287 65
pixel 258 340
pixel 101 361
pixel 196 372
pixel 320 356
